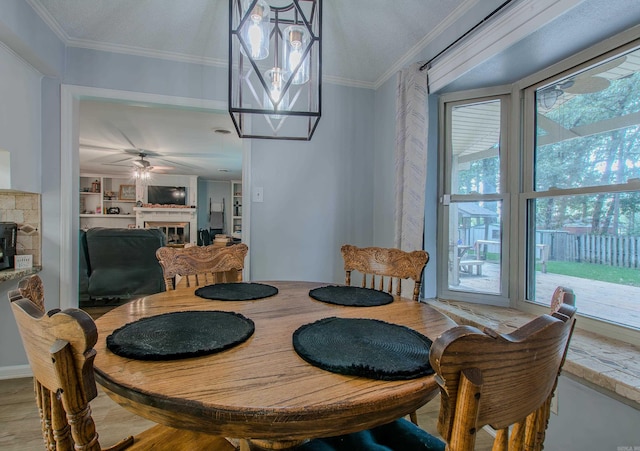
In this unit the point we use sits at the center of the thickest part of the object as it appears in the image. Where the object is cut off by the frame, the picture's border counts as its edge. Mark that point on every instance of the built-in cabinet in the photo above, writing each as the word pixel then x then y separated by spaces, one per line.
pixel 236 208
pixel 106 202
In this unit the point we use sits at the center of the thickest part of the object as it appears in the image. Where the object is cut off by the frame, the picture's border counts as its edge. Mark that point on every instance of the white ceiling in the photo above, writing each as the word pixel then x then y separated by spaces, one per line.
pixel 174 140
pixel 364 41
pixel 362 46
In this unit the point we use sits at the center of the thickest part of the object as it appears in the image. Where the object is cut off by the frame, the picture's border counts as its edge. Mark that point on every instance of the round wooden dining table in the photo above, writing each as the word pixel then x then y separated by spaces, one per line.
pixel 261 392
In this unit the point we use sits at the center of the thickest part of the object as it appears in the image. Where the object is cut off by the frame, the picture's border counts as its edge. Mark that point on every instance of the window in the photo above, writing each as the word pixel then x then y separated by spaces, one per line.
pixel 473 199
pixel 582 189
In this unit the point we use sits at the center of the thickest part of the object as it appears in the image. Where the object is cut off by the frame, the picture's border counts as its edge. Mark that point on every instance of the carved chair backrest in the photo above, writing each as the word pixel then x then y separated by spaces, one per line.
pixel 381 263
pixel 59 346
pixel 30 287
pixel 201 265
pixel 500 380
pixel 562 295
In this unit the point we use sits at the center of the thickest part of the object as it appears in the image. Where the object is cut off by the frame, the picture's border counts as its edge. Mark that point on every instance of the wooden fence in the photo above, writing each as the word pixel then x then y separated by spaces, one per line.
pixel 612 250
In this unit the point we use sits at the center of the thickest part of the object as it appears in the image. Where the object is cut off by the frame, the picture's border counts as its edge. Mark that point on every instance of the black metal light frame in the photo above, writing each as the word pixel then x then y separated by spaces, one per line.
pixel 242 67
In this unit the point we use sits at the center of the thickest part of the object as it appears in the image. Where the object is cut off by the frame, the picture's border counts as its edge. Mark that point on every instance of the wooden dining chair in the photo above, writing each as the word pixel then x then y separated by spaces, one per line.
pixel 485 378
pixel 30 287
pixel 59 346
pixel 377 264
pixel 201 265
pixel 562 295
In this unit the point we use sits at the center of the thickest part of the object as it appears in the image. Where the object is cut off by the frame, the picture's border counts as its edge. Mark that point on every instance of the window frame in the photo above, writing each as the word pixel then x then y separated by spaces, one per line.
pixel 446 103
pixel 517 184
pixel 527 88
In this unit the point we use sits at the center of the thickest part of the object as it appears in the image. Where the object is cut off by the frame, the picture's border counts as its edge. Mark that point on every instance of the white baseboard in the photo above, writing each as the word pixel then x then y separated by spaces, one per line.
pixel 15 372
pixel 491 431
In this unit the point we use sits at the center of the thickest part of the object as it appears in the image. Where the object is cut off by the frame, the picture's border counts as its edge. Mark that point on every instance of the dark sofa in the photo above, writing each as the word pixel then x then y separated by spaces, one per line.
pixel 119 263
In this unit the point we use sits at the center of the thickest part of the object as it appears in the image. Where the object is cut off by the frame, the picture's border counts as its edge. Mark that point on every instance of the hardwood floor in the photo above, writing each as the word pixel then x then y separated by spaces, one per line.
pixel 20 423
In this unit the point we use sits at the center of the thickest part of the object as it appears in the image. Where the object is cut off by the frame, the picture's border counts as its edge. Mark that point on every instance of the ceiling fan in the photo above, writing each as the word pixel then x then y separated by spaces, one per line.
pixel 142 168
pixel 587 82
pixel 142 163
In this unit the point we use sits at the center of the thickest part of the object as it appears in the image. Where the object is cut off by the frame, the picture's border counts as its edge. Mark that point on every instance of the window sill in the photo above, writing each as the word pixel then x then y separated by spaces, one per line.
pixel 607 364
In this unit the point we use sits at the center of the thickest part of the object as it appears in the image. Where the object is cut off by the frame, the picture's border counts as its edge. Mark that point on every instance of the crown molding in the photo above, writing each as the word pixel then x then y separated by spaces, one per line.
pixel 49 20
pixel 139 51
pixel 491 36
pixel 412 55
pixel 348 82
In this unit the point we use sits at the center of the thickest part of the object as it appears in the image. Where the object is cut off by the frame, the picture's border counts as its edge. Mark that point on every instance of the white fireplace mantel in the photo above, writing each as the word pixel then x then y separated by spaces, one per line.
pixel 162 214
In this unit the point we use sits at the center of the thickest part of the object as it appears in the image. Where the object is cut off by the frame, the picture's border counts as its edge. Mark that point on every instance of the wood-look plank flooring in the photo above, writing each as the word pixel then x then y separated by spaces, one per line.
pixel 20 423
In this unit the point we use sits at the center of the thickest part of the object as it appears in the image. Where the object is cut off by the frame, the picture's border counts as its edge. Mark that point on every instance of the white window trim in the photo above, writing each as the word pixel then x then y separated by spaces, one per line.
pixel 464 97
pixel 601 52
pixel 519 176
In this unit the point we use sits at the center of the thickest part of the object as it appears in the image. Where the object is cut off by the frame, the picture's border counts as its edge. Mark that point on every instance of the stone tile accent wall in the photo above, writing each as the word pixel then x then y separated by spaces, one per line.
pixel 24 209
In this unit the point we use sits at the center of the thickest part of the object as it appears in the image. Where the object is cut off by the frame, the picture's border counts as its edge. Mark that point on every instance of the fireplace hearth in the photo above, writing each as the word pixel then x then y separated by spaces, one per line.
pixel 174 232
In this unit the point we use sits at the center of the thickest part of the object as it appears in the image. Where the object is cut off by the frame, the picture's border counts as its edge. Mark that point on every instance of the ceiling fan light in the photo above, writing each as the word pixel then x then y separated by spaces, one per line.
pixel 547 98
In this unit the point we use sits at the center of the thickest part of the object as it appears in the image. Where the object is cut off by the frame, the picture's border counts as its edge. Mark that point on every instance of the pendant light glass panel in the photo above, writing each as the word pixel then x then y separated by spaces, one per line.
pixel 255 32
pixel 276 98
pixel 295 43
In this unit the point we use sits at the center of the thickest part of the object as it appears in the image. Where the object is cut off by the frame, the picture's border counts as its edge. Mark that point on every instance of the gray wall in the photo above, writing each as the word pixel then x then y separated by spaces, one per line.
pixel 20 125
pixel 588 420
pixel 317 194
pixel 30 130
pixel 384 163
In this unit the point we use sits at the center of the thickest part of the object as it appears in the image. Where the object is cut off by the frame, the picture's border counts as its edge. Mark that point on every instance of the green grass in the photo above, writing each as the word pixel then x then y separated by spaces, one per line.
pixel 604 273
pixel 592 271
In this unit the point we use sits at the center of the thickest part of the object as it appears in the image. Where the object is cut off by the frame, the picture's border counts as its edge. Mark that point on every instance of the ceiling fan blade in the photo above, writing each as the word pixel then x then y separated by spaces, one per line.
pixel 604 67
pixel 99 148
pixel 127 138
pixel 197 155
pixel 121 160
pixel 176 163
pixel 119 164
pixel 163 168
pixel 588 85
pixel 142 152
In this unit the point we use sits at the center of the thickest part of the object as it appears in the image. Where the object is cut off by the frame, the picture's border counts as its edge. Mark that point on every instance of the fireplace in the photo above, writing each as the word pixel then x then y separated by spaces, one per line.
pixel 180 225
pixel 174 232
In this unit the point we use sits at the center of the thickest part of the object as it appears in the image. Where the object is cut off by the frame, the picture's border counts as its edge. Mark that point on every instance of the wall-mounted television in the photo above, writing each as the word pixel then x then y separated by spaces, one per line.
pixel 167 195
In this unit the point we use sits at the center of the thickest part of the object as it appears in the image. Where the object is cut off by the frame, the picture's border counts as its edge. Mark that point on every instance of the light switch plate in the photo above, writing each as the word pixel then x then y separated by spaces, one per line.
pixel 258 194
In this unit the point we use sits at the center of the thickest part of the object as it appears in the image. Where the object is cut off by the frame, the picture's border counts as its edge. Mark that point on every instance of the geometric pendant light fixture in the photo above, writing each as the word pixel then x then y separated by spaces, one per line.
pixel 275 68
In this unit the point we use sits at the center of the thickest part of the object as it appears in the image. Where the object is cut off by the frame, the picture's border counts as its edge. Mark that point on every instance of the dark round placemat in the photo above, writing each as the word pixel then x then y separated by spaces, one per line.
pixel 238 291
pixel 351 296
pixel 180 335
pixel 364 347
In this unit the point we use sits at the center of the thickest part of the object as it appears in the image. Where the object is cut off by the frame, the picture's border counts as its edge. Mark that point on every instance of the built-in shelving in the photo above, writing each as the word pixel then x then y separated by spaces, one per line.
pixel 99 194
pixel 236 208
